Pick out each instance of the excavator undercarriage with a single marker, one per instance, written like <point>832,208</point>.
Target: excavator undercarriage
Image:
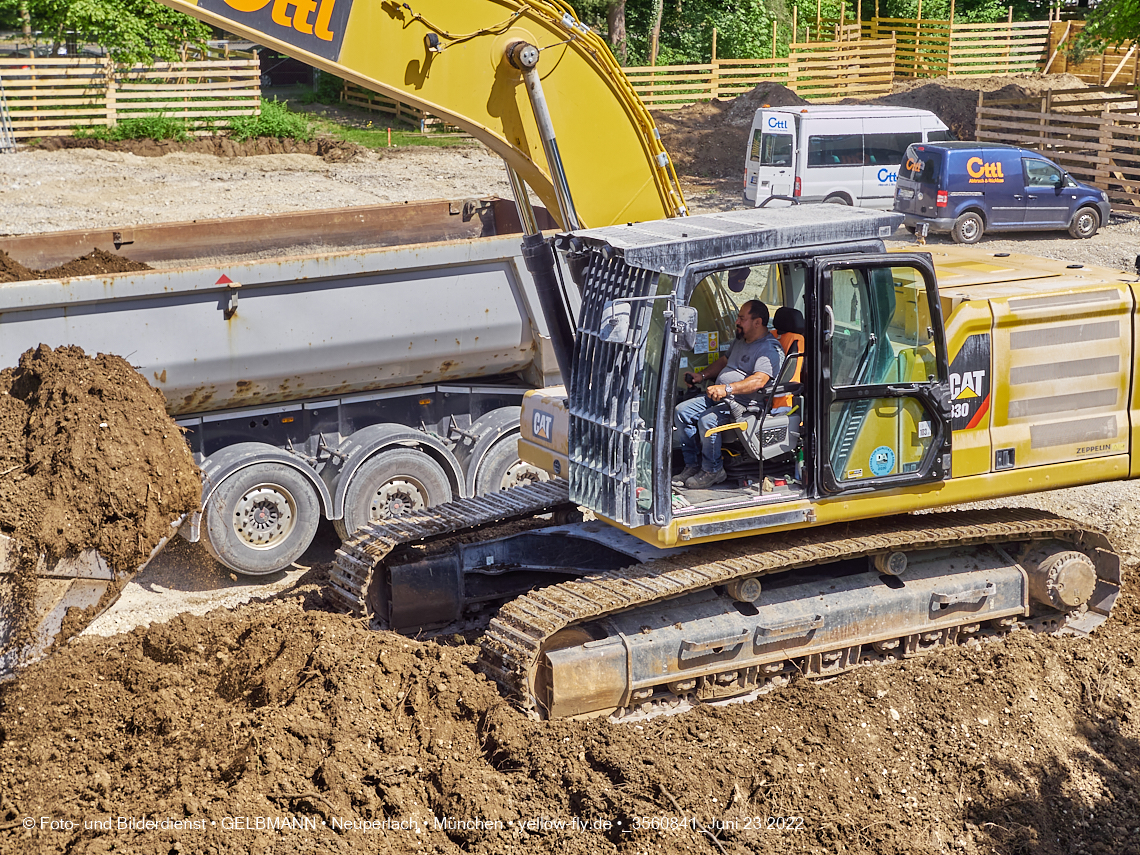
<point>711,623</point>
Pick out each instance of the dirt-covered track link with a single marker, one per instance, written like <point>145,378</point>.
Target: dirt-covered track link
<point>354,580</point>
<point>696,627</point>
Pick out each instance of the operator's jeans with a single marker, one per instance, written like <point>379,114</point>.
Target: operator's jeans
<point>691,419</point>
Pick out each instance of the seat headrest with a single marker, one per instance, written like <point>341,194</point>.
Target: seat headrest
<point>788,319</point>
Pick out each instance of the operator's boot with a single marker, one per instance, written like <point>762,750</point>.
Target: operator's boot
<point>705,479</point>
<point>685,474</point>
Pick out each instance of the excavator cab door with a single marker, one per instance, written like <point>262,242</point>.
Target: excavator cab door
<point>882,418</point>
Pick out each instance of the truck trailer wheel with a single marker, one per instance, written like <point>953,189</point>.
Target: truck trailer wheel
<point>392,483</point>
<point>1085,223</point>
<point>502,469</point>
<point>261,519</point>
<point>968,228</point>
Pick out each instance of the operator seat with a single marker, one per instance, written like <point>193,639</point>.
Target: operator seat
<point>769,436</point>
<point>788,325</point>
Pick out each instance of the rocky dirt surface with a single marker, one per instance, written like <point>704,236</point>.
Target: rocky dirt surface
<point>280,727</point>
<point>96,262</point>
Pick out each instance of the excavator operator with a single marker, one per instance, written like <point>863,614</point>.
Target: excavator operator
<point>751,363</point>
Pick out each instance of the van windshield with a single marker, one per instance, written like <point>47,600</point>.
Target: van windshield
<point>921,164</point>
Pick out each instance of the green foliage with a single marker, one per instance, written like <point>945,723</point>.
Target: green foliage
<point>965,11</point>
<point>1112,22</point>
<point>130,30</point>
<point>276,120</point>
<point>155,126</point>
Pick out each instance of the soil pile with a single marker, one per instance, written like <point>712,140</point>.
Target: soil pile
<point>331,150</point>
<point>97,261</point>
<point>282,712</point>
<point>88,458</point>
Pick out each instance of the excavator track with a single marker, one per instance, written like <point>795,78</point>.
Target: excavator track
<point>352,575</point>
<point>521,635</point>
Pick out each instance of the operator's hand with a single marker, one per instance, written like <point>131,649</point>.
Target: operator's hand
<point>717,393</point>
<point>691,379</point>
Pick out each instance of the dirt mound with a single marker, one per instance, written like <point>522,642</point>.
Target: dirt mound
<point>332,150</point>
<point>956,102</point>
<point>88,458</point>
<point>280,712</point>
<point>97,261</point>
<point>707,140</point>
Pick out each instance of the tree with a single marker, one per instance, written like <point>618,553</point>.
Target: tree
<point>130,30</point>
<point>1112,22</point>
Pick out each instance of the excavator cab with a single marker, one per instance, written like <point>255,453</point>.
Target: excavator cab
<point>874,393</point>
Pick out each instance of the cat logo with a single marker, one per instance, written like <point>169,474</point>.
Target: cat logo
<point>316,26</point>
<point>968,384</point>
<point>543,426</point>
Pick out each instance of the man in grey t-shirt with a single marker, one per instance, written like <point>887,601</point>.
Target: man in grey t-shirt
<point>753,360</point>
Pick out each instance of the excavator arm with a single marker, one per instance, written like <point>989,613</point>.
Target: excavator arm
<point>450,58</point>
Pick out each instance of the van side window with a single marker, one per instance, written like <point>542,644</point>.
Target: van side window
<point>939,136</point>
<point>1038,173</point>
<point>776,149</point>
<point>887,149</point>
<point>835,150</point>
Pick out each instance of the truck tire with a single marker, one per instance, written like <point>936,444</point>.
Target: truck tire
<point>968,228</point>
<point>261,519</point>
<point>392,483</point>
<point>501,468</point>
<point>1085,223</point>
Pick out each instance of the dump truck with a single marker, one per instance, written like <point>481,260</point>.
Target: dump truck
<point>346,385</point>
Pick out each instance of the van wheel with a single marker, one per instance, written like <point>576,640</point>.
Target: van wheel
<point>1085,223</point>
<point>837,199</point>
<point>968,228</point>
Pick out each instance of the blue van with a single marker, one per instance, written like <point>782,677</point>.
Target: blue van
<point>969,188</point>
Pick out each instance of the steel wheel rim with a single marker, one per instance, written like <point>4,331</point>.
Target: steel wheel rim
<point>1084,223</point>
<point>970,228</point>
<point>265,516</point>
<point>397,497</point>
<point>520,473</point>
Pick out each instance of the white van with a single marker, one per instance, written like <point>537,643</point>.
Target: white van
<point>847,154</point>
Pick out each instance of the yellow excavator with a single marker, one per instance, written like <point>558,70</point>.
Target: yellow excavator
<point>926,379</point>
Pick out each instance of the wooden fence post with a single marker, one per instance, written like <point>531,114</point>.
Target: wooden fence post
<point>714,74</point>
<point>773,39</point>
<point>1008,35</point>
<point>795,28</point>
<point>111,88</point>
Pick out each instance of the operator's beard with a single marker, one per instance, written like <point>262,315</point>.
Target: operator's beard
<point>739,331</point>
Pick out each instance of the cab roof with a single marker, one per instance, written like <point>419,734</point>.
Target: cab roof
<point>670,246</point>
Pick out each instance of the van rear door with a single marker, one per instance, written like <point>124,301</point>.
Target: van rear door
<point>773,146</point>
<point>918,182</point>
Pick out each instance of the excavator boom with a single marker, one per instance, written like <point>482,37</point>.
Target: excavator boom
<point>449,58</point>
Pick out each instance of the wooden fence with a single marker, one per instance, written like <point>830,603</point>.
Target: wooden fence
<point>928,48</point>
<point>1094,133</point>
<point>1117,65</point>
<point>52,96</point>
<point>815,71</point>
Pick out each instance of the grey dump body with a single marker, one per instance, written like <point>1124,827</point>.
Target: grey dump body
<point>429,343</point>
<point>615,388</point>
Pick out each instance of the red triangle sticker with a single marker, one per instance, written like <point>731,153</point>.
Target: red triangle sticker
<point>225,280</point>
